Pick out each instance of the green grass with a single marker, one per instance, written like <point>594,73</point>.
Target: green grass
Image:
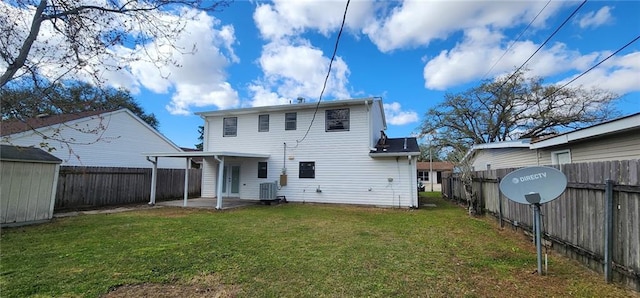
<point>290,250</point>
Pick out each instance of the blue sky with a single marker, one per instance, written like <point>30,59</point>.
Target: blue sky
<point>409,53</point>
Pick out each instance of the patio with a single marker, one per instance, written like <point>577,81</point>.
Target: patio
<point>210,203</point>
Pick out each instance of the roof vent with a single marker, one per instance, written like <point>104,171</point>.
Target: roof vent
<point>40,116</point>
<point>300,99</point>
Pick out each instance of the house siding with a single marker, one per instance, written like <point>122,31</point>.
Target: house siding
<point>623,146</point>
<point>118,141</point>
<point>344,171</point>
<point>500,158</point>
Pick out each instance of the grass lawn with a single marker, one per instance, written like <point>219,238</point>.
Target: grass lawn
<point>288,250</point>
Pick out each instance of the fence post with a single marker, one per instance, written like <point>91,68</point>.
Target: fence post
<point>500,205</point>
<point>608,229</point>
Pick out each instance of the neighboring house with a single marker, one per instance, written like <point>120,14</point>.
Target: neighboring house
<point>611,140</point>
<point>29,180</point>
<point>331,152</point>
<point>93,138</point>
<point>430,174</point>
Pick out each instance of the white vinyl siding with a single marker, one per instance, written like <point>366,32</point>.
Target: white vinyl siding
<point>501,158</point>
<point>119,141</point>
<point>344,170</point>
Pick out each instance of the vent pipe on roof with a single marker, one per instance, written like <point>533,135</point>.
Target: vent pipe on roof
<point>405,143</point>
<point>40,116</point>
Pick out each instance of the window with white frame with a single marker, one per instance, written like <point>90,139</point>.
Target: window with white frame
<point>290,120</point>
<point>337,120</point>
<point>263,123</point>
<point>230,127</point>
<point>561,157</point>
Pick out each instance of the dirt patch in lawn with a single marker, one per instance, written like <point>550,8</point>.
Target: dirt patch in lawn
<point>200,286</point>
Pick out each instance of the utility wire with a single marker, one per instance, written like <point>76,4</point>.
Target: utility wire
<point>592,67</point>
<point>516,40</point>
<point>324,86</point>
<point>543,44</point>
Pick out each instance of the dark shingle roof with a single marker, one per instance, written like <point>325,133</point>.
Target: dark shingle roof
<point>29,154</point>
<point>397,145</point>
<point>10,127</point>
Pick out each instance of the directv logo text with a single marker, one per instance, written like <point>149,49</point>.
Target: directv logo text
<point>529,177</point>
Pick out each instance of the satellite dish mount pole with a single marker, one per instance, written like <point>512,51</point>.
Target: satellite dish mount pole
<point>534,199</point>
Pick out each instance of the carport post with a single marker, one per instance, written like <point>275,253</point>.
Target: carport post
<point>186,182</point>
<point>154,177</point>
<point>220,181</point>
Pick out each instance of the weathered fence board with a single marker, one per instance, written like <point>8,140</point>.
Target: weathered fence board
<point>80,187</point>
<point>575,221</point>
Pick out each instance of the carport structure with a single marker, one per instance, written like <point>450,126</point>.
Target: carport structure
<point>219,157</point>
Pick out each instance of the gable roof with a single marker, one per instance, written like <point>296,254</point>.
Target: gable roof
<point>17,126</point>
<point>28,154</point>
<point>13,126</point>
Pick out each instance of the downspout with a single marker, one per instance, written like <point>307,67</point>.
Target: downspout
<point>219,184</point>
<point>369,138</point>
<point>154,177</point>
<point>411,182</point>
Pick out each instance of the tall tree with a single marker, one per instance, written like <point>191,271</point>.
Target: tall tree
<point>511,108</point>
<point>63,37</point>
<point>20,104</point>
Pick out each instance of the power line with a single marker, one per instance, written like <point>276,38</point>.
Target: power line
<point>592,67</point>
<point>543,44</point>
<point>324,86</point>
<point>517,39</point>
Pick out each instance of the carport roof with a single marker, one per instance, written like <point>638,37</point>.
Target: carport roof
<point>206,154</point>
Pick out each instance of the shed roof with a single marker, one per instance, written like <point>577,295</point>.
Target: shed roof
<point>27,154</point>
<point>397,147</point>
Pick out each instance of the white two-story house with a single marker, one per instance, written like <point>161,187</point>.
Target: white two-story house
<point>331,152</point>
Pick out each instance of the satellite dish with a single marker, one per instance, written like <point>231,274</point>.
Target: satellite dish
<point>533,185</point>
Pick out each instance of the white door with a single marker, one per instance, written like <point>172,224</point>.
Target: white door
<point>231,181</point>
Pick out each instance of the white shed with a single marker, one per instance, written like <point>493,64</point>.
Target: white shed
<point>28,177</point>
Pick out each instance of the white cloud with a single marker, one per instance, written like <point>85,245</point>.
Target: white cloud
<point>297,69</point>
<point>286,18</point>
<point>620,75</point>
<point>417,23</point>
<point>198,79</point>
<point>596,18</point>
<point>396,116</point>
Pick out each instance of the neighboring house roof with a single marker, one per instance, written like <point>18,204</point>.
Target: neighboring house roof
<point>10,127</point>
<point>523,143</point>
<point>618,125</point>
<point>609,127</point>
<point>28,154</point>
<point>397,147</point>
<point>436,165</point>
<point>298,106</point>
<point>196,159</point>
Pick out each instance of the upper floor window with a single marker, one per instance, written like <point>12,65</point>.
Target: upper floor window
<point>337,120</point>
<point>230,127</point>
<point>290,120</point>
<point>263,123</point>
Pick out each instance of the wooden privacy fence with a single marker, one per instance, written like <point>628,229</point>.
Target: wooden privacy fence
<point>80,187</point>
<point>576,223</point>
